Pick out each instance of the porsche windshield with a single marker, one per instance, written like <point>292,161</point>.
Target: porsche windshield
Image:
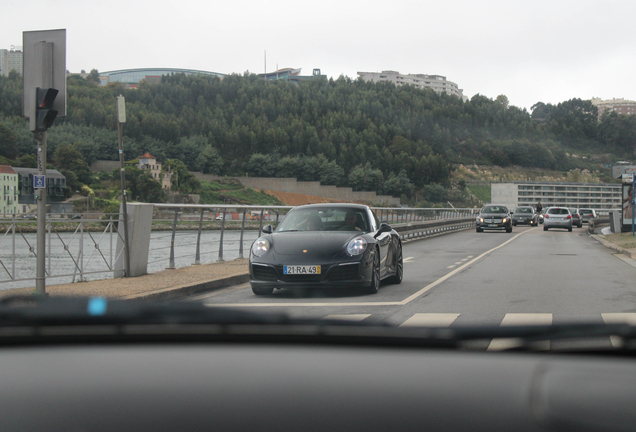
<point>328,219</point>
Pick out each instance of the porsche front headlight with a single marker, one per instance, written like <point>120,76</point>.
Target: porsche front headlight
<point>356,246</point>
<point>260,246</point>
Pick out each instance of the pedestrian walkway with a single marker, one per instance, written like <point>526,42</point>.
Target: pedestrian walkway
<point>163,285</point>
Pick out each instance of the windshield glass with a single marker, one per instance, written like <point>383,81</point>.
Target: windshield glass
<point>558,211</point>
<point>348,161</point>
<point>325,219</point>
<point>494,209</point>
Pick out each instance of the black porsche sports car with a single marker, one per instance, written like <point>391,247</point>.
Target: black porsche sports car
<point>326,245</point>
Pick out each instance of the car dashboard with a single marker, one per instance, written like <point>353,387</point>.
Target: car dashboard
<point>306,387</point>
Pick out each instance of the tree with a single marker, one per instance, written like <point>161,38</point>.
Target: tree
<point>503,101</point>
<point>8,142</point>
<point>366,178</point>
<point>185,181</point>
<point>67,157</point>
<point>150,189</point>
<point>93,77</point>
<point>398,185</point>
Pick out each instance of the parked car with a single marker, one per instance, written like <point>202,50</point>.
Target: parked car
<point>576,217</point>
<point>494,217</point>
<point>525,215</point>
<point>557,217</point>
<point>587,215</point>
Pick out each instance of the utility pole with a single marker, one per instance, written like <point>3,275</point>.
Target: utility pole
<point>121,118</point>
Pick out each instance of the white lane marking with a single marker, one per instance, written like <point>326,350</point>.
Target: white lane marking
<point>454,272</point>
<point>430,320</point>
<point>458,263</point>
<point>451,266</point>
<point>469,256</point>
<point>465,259</point>
<point>618,318</point>
<point>408,259</point>
<point>521,319</point>
<point>349,317</point>
<point>400,303</point>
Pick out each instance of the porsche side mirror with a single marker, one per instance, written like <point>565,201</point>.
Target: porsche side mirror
<point>267,229</point>
<point>384,227</point>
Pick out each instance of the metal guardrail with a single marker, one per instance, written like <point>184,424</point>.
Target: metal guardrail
<point>414,231</point>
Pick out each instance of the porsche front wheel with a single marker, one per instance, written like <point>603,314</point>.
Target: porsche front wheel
<point>374,286</point>
<point>399,267</point>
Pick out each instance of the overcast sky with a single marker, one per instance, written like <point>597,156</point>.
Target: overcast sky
<point>530,51</point>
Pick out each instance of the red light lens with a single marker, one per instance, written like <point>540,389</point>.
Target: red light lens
<point>569,217</point>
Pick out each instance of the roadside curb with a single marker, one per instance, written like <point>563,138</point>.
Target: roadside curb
<point>187,290</point>
<point>612,246</point>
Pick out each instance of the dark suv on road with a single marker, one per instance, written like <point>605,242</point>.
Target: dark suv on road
<point>494,217</point>
<point>525,215</point>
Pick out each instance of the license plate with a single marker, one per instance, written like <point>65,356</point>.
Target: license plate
<point>492,225</point>
<point>308,270</point>
<point>520,220</point>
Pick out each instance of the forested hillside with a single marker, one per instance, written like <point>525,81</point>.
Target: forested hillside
<point>393,140</point>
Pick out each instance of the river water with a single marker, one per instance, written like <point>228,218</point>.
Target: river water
<point>62,268</point>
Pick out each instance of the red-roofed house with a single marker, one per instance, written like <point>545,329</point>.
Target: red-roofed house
<point>149,162</point>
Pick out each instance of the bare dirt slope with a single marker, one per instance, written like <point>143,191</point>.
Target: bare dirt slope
<point>294,199</point>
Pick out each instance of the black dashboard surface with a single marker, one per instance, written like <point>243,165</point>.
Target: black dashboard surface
<point>238,387</point>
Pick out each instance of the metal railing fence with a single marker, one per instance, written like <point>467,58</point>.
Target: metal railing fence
<point>76,249</point>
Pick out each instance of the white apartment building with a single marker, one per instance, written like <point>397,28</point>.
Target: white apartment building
<point>437,82</point>
<point>621,106</point>
<point>602,197</point>
<point>10,60</point>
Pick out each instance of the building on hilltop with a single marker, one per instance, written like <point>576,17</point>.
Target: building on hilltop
<point>131,78</point>
<point>602,197</point>
<point>291,74</point>
<point>9,185</point>
<point>620,106</point>
<point>149,162</point>
<point>436,82</point>
<point>11,60</point>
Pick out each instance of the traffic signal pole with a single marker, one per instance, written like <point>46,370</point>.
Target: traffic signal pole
<point>44,75</point>
<point>43,99</point>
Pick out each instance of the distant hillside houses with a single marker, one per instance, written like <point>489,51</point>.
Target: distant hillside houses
<point>149,162</point>
<point>18,195</point>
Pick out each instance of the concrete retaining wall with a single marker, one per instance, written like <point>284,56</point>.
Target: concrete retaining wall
<point>104,166</point>
<point>291,185</point>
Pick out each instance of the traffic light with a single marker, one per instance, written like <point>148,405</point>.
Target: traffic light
<point>44,115</point>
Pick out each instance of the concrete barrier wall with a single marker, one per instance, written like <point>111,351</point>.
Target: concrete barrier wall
<point>139,226</point>
<point>292,185</point>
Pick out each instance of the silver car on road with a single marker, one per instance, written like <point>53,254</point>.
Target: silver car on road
<point>557,217</point>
